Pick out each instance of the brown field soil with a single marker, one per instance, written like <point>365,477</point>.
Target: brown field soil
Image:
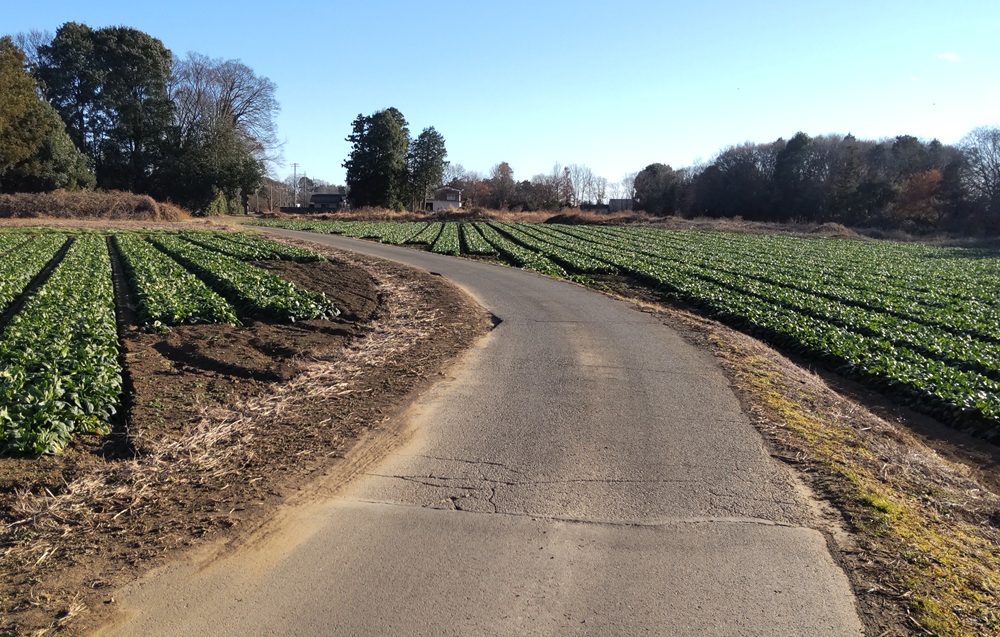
<point>222,425</point>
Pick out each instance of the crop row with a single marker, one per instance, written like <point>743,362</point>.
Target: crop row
<point>253,290</point>
<point>393,233</point>
<point>791,269</point>
<point>474,243</point>
<point>23,263</point>
<point>11,240</point>
<point>246,247</point>
<point>428,235</point>
<point>518,254</point>
<point>930,340</point>
<point>58,355</point>
<point>59,362</point>
<point>920,323</point>
<point>168,294</point>
<point>951,361</point>
<point>447,241</point>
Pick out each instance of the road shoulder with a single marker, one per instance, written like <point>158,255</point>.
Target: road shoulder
<point>908,516</point>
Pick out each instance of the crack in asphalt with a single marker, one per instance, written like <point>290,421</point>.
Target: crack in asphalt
<point>464,461</point>
<point>425,481</point>
<point>484,489</point>
<point>650,523</point>
<point>493,494</point>
<point>738,465</point>
<point>487,489</point>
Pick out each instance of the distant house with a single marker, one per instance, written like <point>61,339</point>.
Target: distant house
<point>329,201</point>
<point>620,205</point>
<point>444,198</point>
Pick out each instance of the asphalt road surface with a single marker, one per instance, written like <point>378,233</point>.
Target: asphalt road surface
<point>584,472</point>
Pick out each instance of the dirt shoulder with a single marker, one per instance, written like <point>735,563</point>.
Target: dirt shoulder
<point>223,425</point>
<point>918,500</point>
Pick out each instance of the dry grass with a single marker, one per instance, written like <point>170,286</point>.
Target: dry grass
<point>112,205</point>
<point>573,216</point>
<point>926,527</point>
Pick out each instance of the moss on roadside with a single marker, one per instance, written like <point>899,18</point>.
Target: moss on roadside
<point>949,556</point>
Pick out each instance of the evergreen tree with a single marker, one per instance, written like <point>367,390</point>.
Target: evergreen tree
<point>24,123</point>
<point>795,180</point>
<point>656,189</point>
<point>57,163</point>
<point>110,88</point>
<point>426,162</point>
<point>211,164</point>
<point>376,169</point>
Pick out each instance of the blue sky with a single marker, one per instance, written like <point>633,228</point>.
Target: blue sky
<point>611,85</point>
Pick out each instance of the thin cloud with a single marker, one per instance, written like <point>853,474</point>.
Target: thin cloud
<point>949,57</point>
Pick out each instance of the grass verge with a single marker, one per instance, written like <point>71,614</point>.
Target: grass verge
<point>924,557</point>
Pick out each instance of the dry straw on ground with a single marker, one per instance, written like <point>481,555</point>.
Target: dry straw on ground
<point>83,204</point>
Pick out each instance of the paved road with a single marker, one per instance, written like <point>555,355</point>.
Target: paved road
<point>586,472</point>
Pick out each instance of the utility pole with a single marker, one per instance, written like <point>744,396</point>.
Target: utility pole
<point>295,185</point>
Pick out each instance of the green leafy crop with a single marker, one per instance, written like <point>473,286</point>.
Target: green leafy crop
<point>254,291</point>
<point>59,370</point>
<point>168,294</point>
<point>919,323</point>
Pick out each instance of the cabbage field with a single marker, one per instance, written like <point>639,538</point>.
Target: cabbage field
<point>60,361</point>
<point>919,323</point>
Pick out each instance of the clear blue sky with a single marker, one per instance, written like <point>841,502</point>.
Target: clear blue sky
<point>612,85</point>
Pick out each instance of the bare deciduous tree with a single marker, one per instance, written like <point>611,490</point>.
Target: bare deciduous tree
<point>981,150</point>
<point>226,92</point>
<point>453,173</point>
<point>29,42</point>
<point>598,189</point>
<point>627,185</point>
<point>581,182</point>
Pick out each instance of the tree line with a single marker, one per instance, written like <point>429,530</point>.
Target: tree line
<point>113,108</point>
<point>899,183</point>
<point>388,169</point>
